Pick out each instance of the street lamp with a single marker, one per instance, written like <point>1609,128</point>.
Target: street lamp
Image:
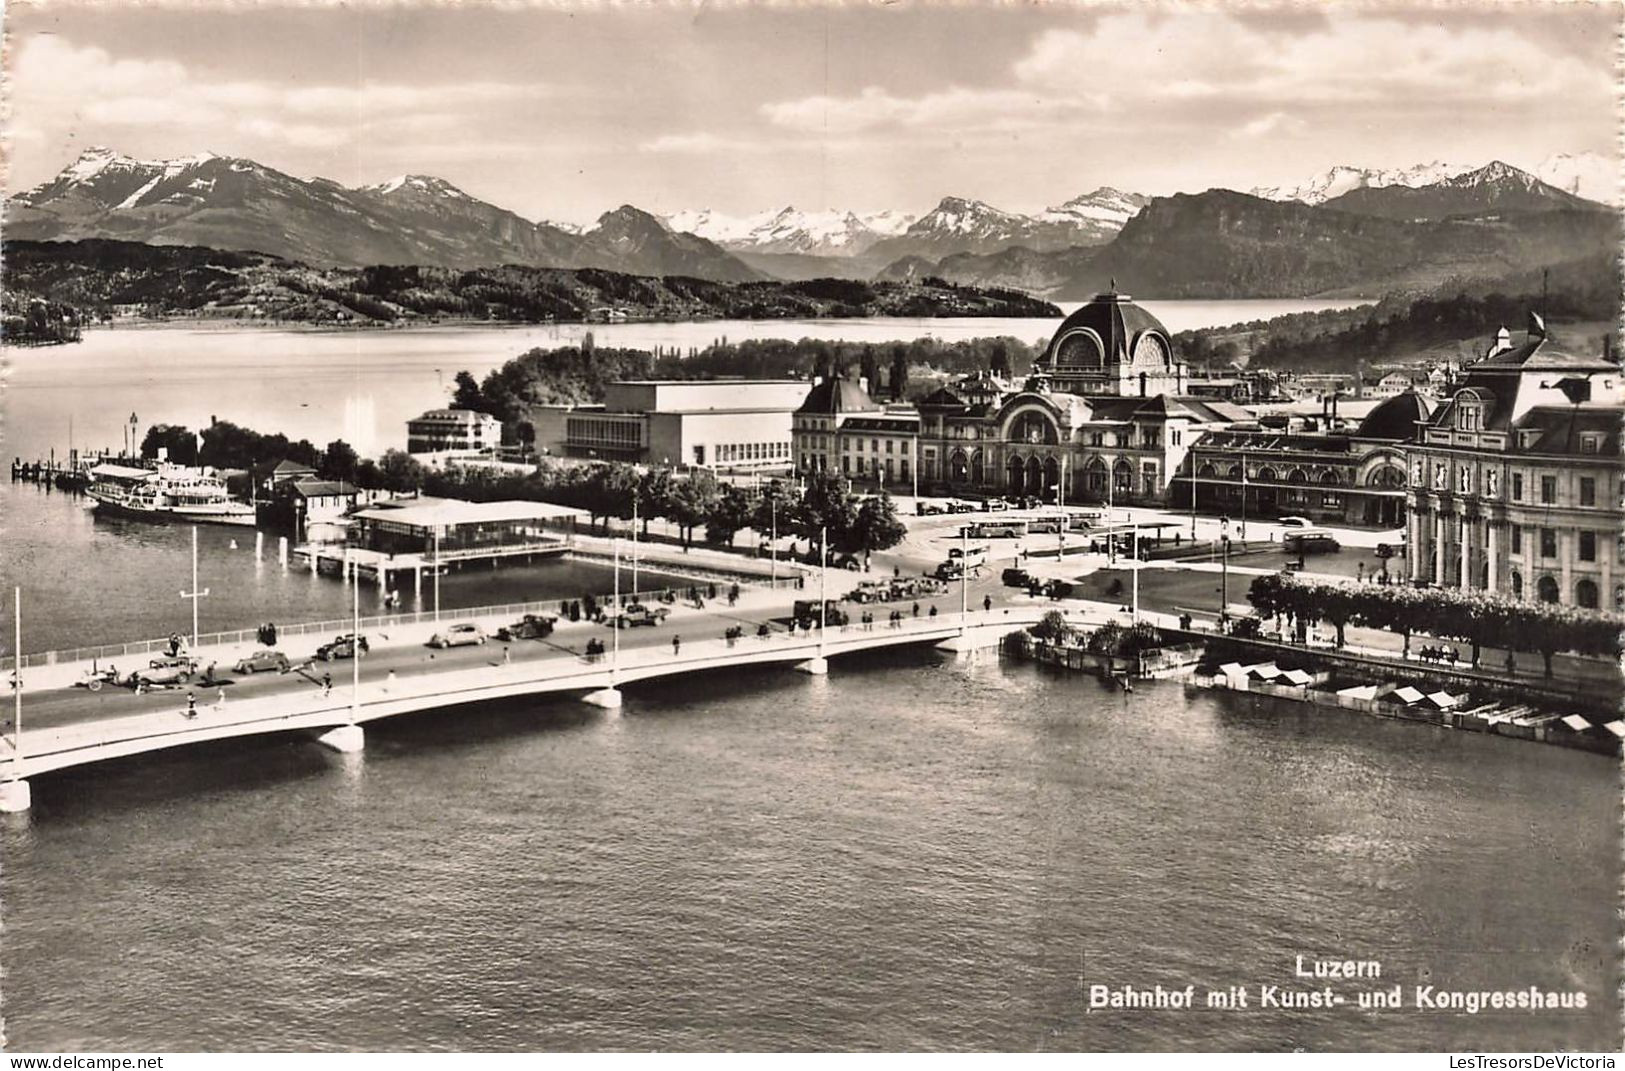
<point>437,576</point>
<point>194,594</point>
<point>964,576</point>
<point>1224,570</point>
<point>773,541</point>
<point>823,586</point>
<point>355,650</point>
<point>1135,544</point>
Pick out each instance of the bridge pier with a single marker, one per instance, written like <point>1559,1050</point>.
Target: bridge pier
<point>817,667</point>
<point>608,698</point>
<point>345,739</point>
<point>15,797</point>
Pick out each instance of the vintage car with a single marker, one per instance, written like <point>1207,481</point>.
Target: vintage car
<point>871,591</point>
<point>265,659</point>
<point>636,615</point>
<point>1015,578</point>
<point>459,635</point>
<point>342,647</point>
<point>171,669</point>
<point>529,627</point>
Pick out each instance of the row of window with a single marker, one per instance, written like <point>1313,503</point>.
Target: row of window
<point>730,452</point>
<point>1545,541</point>
<point>597,431</point>
<point>1545,486</point>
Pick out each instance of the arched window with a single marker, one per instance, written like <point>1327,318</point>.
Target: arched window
<point>976,472</point>
<point>958,467</point>
<point>1267,475</point>
<point>1206,472</point>
<point>1517,584</point>
<point>1546,589</point>
<point>1234,474</point>
<point>1297,476</point>
<point>1329,478</point>
<point>1585,594</point>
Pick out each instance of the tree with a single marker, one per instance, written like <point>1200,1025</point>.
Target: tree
<point>876,527</point>
<point>692,501</point>
<point>654,495</point>
<point>179,442</point>
<point>899,373</point>
<point>827,505</point>
<point>999,362</point>
<point>733,511</point>
<point>468,394</point>
<point>1052,627</point>
<point>400,472</point>
<point>871,370</point>
<point>525,432</point>
<point>339,462</point>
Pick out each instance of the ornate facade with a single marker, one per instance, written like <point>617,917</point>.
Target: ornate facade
<point>1517,483</point>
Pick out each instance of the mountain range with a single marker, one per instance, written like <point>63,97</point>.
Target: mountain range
<point>231,203</point>
<point>1361,231</point>
<point>1370,240</point>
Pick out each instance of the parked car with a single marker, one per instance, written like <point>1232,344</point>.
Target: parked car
<point>1057,589</point>
<point>1311,541</point>
<point>805,612</point>
<point>529,627</point>
<point>344,646</point>
<point>962,507</point>
<point>1296,522</point>
<point>95,678</point>
<point>871,591</point>
<point>996,505</point>
<point>1016,578</point>
<point>264,659</point>
<point>171,669</point>
<point>459,635</point>
<point>928,509</point>
<point>634,616</point>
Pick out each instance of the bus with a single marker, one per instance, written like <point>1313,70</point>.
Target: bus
<point>1081,520</point>
<point>1047,525</point>
<point>997,530</point>
<point>1310,541</point>
<point>974,557</point>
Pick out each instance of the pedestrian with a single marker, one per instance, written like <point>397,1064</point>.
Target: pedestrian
<point>676,645</point>
<point>916,609</point>
<point>327,685</point>
<point>390,681</point>
<point>191,705</point>
<point>987,603</point>
<point>506,655</point>
<point>220,699</point>
<point>933,612</point>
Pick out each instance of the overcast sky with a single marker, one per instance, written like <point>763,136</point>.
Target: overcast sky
<point>562,114</point>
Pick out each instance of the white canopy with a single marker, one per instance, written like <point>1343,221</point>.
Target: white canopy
<point>1577,723</point>
<point>1407,695</point>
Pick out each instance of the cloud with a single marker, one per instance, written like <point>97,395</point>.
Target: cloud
<point>1193,66</point>
<point>1275,123</point>
<point>56,82</point>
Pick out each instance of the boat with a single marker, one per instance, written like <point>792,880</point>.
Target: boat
<point>166,493</point>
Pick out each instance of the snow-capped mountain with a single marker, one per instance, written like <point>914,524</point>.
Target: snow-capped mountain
<point>230,203</point>
<point>1587,174</point>
<point>1342,179</point>
<point>790,230</point>
<point>962,225</point>
<point>1103,211</point>
<point>1495,188</point>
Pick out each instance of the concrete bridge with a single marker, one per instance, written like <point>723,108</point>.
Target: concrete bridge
<point>335,719</point>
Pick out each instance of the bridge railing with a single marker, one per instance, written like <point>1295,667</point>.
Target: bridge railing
<point>336,626</point>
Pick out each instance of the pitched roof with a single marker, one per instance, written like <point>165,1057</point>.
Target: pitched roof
<point>838,395</point>
<point>1560,427</point>
<point>285,466</point>
<point>321,488</point>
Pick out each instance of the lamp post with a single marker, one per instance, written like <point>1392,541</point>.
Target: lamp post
<point>437,576</point>
<point>634,547</point>
<point>1224,569</point>
<point>615,621</point>
<point>1135,604</point>
<point>355,651</point>
<point>16,683</point>
<point>773,541</point>
<point>1111,516</point>
<point>1193,501</point>
<point>823,586</point>
<point>1244,494</point>
<point>964,576</point>
<point>194,594</point>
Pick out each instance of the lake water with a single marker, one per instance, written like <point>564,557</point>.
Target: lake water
<point>362,386</point>
<point>911,853</point>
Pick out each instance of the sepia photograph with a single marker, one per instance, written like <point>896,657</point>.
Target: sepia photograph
<point>811,528</point>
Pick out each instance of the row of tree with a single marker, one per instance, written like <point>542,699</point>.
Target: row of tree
<point>824,504</point>
<point>1478,618</point>
<point>580,374</point>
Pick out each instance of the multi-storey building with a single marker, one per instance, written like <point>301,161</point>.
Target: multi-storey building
<point>1327,472</point>
<point>453,429</point>
<point>733,425</point>
<point>1106,414</point>
<point>1516,484</point>
<point>840,428</point>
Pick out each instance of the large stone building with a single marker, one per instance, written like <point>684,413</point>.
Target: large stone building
<point>728,425</point>
<point>465,430</point>
<point>839,427</point>
<point>1310,467</point>
<point>1516,484</point>
<point>1105,414</point>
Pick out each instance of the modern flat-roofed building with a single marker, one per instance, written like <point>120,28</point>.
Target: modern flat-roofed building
<point>727,425</point>
<point>453,429</point>
<point>1517,482</point>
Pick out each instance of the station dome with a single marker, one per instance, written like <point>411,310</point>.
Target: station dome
<point>1395,419</point>
<point>1110,330</point>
